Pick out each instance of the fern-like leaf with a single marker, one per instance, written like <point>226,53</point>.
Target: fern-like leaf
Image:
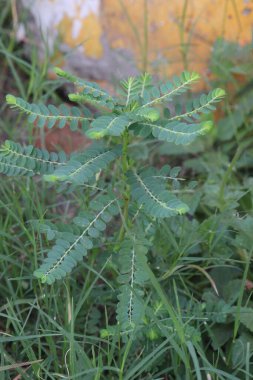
<point>175,131</point>
<point>113,125</point>
<point>83,166</point>
<point>150,191</point>
<point>180,133</point>
<point>132,260</point>
<point>28,160</point>
<point>49,115</point>
<point>133,88</point>
<point>89,93</point>
<point>148,113</point>
<point>202,105</point>
<point>70,249</point>
<point>10,169</point>
<point>170,89</point>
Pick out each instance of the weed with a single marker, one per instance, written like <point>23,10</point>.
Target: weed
<point>139,199</point>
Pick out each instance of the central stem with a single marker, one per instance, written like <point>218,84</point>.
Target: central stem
<point>125,163</point>
<point>126,191</point>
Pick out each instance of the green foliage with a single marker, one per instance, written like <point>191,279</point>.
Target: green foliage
<point>166,91</point>
<point>205,104</point>
<point>88,92</point>
<point>191,280</point>
<point>28,160</point>
<point>49,115</point>
<point>71,248</point>
<point>132,278</point>
<point>134,88</point>
<point>113,125</point>
<point>83,166</point>
<point>230,58</point>
<point>177,132</point>
<point>135,201</point>
<point>149,190</point>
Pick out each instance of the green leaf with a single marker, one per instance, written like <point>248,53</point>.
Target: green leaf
<point>166,91</point>
<point>202,105</point>
<point>70,249</point>
<point>28,160</point>
<point>241,348</point>
<point>82,167</point>
<point>112,125</point>
<point>49,116</point>
<point>246,317</point>
<point>133,88</point>
<point>177,132</point>
<point>148,113</point>
<point>10,169</point>
<point>130,309</point>
<point>150,192</point>
<point>89,93</point>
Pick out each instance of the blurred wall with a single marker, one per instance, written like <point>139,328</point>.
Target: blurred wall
<point>104,39</point>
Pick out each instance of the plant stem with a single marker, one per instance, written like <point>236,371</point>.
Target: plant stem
<point>227,175</point>
<point>145,39</point>
<point>126,192</point>
<point>141,42</point>
<point>183,47</point>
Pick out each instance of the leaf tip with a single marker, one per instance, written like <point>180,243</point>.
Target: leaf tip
<point>11,99</point>
<point>206,126</point>
<point>183,209</point>
<point>50,178</point>
<point>220,92</point>
<point>59,71</point>
<point>94,134</point>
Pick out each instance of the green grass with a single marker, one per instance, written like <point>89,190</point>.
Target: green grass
<point>63,331</point>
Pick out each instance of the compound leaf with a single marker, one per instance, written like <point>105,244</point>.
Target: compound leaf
<point>150,192</point>
<point>50,115</point>
<point>70,249</point>
<point>16,159</point>
<point>132,257</point>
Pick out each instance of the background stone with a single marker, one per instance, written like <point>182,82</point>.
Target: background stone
<point>107,39</point>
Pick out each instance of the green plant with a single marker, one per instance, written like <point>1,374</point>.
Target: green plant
<point>115,185</point>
